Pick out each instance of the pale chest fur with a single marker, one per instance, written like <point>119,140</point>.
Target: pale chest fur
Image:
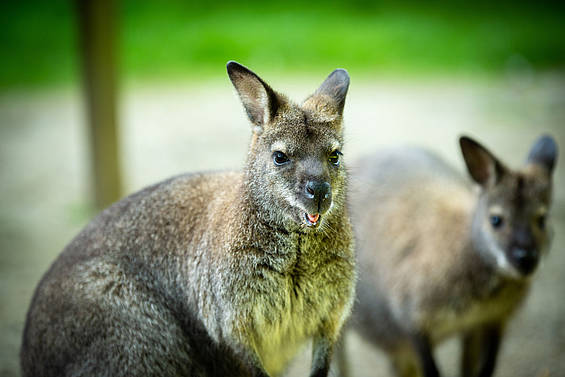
<point>494,302</point>
<point>303,296</point>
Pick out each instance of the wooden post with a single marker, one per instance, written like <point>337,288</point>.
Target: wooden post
<point>97,21</point>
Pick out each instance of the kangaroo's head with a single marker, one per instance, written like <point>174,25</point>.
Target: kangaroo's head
<point>511,222</point>
<point>295,173</point>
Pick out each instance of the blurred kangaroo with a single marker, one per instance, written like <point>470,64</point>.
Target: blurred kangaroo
<point>439,259</point>
<point>212,274</point>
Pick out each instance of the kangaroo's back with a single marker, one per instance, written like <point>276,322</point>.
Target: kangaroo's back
<point>404,195</point>
<point>114,275</point>
<point>389,169</point>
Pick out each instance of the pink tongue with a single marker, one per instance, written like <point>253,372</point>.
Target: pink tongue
<point>313,218</point>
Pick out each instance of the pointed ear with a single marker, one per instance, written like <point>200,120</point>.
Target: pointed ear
<point>544,152</point>
<point>259,100</point>
<point>485,169</point>
<point>330,96</point>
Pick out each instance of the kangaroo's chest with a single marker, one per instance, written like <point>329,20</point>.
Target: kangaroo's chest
<point>304,294</point>
<point>493,304</point>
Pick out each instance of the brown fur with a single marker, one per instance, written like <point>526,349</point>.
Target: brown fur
<point>211,274</point>
<point>429,257</point>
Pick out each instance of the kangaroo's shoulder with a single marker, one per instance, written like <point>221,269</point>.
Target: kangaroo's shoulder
<point>162,212</point>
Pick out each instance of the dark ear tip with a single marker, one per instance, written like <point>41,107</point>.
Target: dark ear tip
<point>547,141</point>
<point>466,141</point>
<point>233,66</point>
<point>341,74</point>
<point>544,151</point>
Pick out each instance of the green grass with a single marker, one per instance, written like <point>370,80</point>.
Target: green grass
<point>171,39</point>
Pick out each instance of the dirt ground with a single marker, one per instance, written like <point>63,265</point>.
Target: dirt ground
<point>169,129</point>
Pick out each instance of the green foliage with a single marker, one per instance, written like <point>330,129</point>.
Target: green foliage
<point>37,42</point>
<point>177,39</point>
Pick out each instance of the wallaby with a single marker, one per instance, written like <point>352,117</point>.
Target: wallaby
<point>439,259</point>
<point>212,274</point>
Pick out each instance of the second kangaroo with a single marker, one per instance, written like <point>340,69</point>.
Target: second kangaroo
<point>439,259</point>
<point>212,274</point>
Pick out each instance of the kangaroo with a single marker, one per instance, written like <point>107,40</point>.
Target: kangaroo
<point>212,274</point>
<point>439,259</point>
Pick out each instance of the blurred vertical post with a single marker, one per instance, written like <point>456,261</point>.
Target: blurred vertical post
<point>97,26</point>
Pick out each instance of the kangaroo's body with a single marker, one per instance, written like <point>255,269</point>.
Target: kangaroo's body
<point>215,274</point>
<point>431,263</point>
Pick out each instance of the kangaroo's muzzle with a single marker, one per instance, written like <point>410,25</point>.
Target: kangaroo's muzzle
<point>318,195</point>
<point>524,260</point>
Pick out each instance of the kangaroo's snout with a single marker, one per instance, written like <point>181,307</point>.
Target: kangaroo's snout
<point>524,254</point>
<point>525,260</point>
<point>318,195</point>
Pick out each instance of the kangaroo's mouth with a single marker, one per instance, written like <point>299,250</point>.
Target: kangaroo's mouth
<point>312,220</point>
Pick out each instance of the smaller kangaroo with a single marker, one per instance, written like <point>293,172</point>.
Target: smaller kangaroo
<point>439,259</point>
<point>212,274</point>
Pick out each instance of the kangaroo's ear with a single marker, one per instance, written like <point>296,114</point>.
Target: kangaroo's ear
<point>329,99</point>
<point>260,101</point>
<point>544,152</point>
<point>484,168</point>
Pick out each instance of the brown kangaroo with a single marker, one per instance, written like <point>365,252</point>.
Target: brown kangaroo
<point>212,274</point>
<point>439,259</point>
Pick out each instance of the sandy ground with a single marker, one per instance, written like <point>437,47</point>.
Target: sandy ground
<point>169,129</point>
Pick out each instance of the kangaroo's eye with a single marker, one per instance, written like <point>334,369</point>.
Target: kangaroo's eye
<point>541,221</point>
<point>280,158</point>
<point>495,221</point>
<point>334,157</point>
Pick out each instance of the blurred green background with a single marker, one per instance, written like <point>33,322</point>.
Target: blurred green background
<point>422,72</point>
<point>172,38</point>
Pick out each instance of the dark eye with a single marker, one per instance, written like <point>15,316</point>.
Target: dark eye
<point>334,158</point>
<point>280,158</point>
<point>542,221</point>
<point>496,221</point>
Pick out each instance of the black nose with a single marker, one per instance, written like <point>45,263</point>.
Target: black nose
<point>525,260</point>
<point>320,193</point>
